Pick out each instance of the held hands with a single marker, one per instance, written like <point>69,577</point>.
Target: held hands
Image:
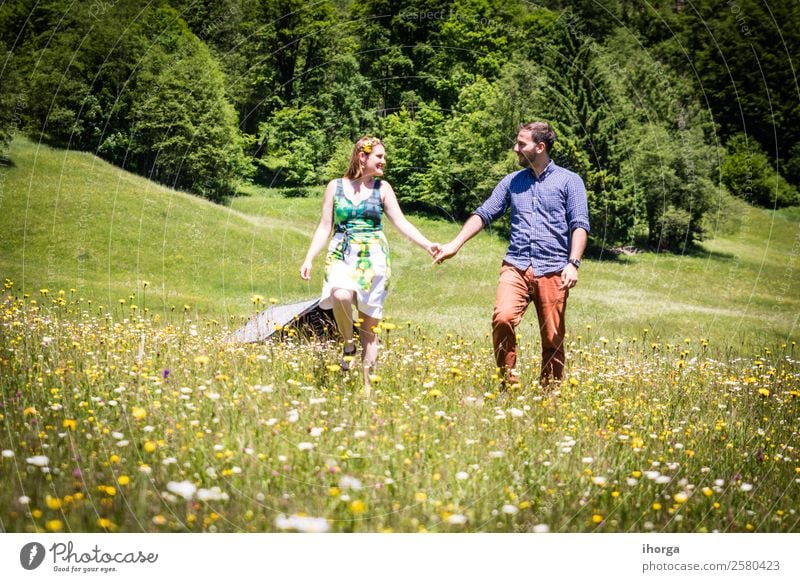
<point>433,248</point>
<point>445,252</point>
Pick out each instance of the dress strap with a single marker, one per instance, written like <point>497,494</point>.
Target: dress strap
<point>339,187</point>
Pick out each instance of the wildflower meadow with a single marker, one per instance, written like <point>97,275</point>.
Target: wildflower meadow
<point>121,419</point>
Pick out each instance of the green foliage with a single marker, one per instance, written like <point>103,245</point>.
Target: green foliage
<point>791,169</point>
<point>410,139</point>
<point>668,178</point>
<point>295,147</point>
<point>11,98</point>
<point>179,90</point>
<point>151,97</point>
<point>741,54</point>
<point>183,128</point>
<point>748,173</point>
<point>471,145</point>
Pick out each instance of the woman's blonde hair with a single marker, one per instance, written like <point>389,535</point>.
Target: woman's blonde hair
<point>365,145</point>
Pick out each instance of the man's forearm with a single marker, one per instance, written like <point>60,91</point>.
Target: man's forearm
<point>579,237</point>
<point>472,226</point>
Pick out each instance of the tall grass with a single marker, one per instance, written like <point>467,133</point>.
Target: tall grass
<point>112,424</point>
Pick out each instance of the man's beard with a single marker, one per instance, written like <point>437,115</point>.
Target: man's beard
<point>524,162</point>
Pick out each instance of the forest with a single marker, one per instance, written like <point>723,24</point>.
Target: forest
<point>663,107</point>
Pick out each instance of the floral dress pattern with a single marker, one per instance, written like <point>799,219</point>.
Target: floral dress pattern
<point>358,254</point>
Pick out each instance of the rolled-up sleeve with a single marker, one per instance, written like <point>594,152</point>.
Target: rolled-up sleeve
<point>496,204</point>
<point>577,204</point>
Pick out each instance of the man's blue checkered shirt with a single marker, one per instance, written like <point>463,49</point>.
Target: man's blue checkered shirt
<point>544,212</point>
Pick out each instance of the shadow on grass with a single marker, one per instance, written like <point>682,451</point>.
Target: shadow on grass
<point>698,252</point>
<point>620,254</point>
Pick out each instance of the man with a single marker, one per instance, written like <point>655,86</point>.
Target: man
<point>549,228</point>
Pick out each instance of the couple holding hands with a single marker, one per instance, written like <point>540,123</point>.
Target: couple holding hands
<point>549,228</point>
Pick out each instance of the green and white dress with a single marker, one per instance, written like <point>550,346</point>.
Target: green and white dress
<point>358,254</point>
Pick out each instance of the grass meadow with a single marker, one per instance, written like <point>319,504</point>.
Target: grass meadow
<point>126,408</point>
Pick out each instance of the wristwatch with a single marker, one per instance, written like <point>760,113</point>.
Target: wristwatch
<point>575,263</point>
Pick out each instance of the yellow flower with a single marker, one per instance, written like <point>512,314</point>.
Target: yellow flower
<point>52,502</point>
<point>681,497</point>
<point>123,480</point>
<point>420,496</point>
<point>707,491</point>
<point>334,491</point>
<point>202,360</point>
<point>54,525</point>
<point>69,423</point>
<point>656,506</point>
<point>139,413</point>
<point>357,507</point>
<point>159,519</point>
<point>763,391</point>
<point>106,523</point>
<point>597,518</point>
<point>149,446</point>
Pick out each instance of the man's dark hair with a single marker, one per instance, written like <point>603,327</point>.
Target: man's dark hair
<point>540,131</point>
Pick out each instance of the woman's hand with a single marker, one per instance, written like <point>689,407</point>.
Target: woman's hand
<point>433,248</point>
<point>305,270</point>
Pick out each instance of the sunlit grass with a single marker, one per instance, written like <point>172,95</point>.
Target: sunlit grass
<point>123,420</point>
<point>71,220</point>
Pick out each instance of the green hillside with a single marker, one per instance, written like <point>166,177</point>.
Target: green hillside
<point>70,220</point>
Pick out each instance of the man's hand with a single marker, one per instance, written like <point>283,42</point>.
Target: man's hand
<point>569,276</point>
<point>445,252</point>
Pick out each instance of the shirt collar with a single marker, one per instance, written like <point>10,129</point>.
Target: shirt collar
<point>547,170</point>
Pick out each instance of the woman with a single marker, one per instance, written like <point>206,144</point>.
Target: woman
<point>357,266</point>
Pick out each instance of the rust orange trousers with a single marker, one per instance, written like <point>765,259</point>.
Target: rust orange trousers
<point>515,292</point>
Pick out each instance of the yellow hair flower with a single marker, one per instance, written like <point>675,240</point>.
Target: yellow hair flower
<point>368,144</point>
